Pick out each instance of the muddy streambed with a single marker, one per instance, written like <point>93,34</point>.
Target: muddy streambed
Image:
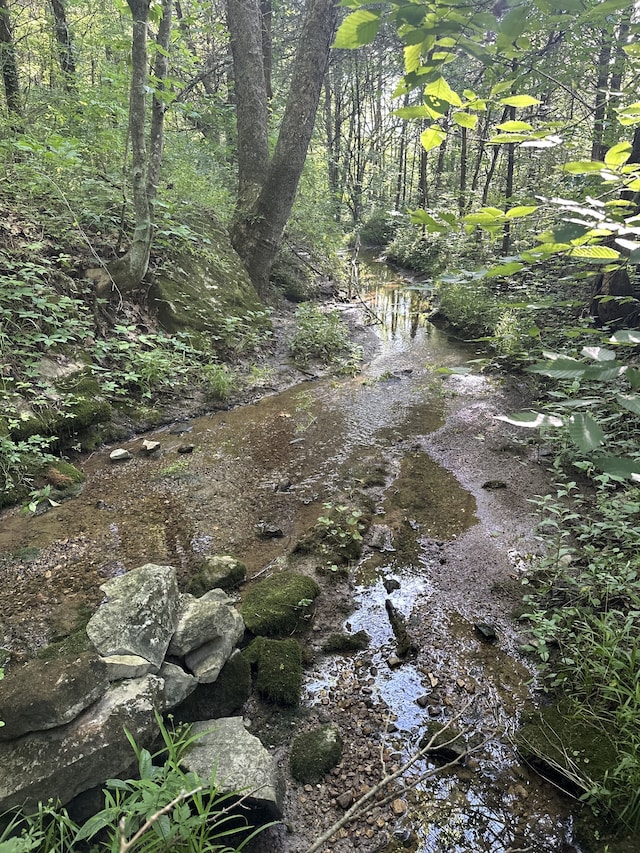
<point>447,487</point>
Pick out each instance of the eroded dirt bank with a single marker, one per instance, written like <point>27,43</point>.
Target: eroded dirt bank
<point>446,486</point>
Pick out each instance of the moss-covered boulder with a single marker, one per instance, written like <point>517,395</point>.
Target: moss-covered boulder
<point>278,668</point>
<point>204,283</point>
<point>344,642</point>
<point>280,605</point>
<point>314,753</point>
<point>223,698</point>
<point>566,748</point>
<point>217,572</point>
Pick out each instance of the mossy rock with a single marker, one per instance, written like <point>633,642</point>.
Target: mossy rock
<point>204,282</point>
<point>343,642</point>
<point>278,668</point>
<point>223,698</point>
<point>280,605</point>
<point>315,753</point>
<point>80,414</point>
<point>565,747</point>
<point>217,572</point>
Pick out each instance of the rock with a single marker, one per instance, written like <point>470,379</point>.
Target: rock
<point>345,800</point>
<point>381,538</point>
<point>423,700</point>
<point>119,455</point>
<point>178,684</point>
<point>487,633</point>
<point>398,807</point>
<point>67,760</point>
<point>218,572</point>
<point>204,620</point>
<point>207,660</point>
<point>492,485</point>
<point>221,698</point>
<point>180,428</point>
<point>126,666</point>
<point>390,584</point>
<point>139,616</point>
<point>266,530</point>
<point>241,762</point>
<point>186,448</point>
<point>279,669</point>
<point>272,606</point>
<point>150,447</point>
<point>45,694</point>
<point>343,642</point>
<point>314,753</point>
<point>393,661</point>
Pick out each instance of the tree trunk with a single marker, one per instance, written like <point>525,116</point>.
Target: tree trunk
<point>9,64</point>
<point>598,147</point>
<point>127,272</point>
<point>65,45</point>
<point>508,191</point>
<point>258,227</point>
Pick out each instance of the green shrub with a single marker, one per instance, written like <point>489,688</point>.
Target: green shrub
<point>469,306</point>
<point>319,335</point>
<point>380,228</point>
<point>424,253</point>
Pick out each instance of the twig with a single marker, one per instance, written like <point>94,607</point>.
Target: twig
<point>361,805</point>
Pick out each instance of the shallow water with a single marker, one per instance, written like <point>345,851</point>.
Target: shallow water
<point>324,437</point>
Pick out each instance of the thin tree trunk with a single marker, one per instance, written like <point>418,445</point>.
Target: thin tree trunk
<point>267,53</point>
<point>9,64</point>
<point>65,45</point>
<point>598,147</point>
<point>508,192</point>
<point>462,197</point>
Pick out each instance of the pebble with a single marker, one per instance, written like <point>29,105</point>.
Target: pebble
<point>186,448</point>
<point>398,807</point>
<point>345,800</point>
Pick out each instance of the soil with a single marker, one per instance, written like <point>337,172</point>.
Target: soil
<point>445,490</point>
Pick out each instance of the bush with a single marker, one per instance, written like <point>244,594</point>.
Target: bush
<point>380,228</point>
<point>319,335</point>
<point>425,253</point>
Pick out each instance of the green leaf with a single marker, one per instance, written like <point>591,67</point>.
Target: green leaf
<point>522,210</point>
<point>583,167</point>
<point>626,336</point>
<point>441,90</point>
<point>599,353</point>
<point>513,23</point>
<point>504,269</point>
<point>357,29</point>
<point>465,120</point>
<point>618,155</point>
<point>618,466</point>
<point>601,253</point>
<point>519,101</point>
<point>514,126</point>
<point>421,217</point>
<point>559,368</point>
<point>531,420</point>
<point>585,431</point>
<point>631,402</point>
<point>632,375</point>
<point>418,111</point>
<point>432,137</point>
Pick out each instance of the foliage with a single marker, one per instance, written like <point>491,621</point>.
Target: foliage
<point>339,532</point>
<point>322,336</point>
<point>379,229</point>
<point>425,253</point>
<point>583,604</point>
<point>164,808</point>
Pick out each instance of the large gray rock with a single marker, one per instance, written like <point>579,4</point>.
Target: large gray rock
<point>65,761</point>
<point>44,694</point>
<point>139,616</point>
<point>204,619</point>
<point>241,763</point>
<point>207,632</point>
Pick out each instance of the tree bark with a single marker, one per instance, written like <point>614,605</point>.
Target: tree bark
<point>65,44</point>
<point>9,64</point>
<point>598,147</point>
<point>127,272</point>
<point>258,227</point>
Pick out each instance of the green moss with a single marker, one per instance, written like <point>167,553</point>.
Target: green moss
<point>217,572</point>
<point>567,747</point>
<point>80,414</point>
<point>280,605</point>
<point>314,753</point>
<point>278,668</point>
<point>344,642</point>
<point>73,644</point>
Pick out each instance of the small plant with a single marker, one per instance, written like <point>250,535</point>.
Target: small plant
<point>175,469</point>
<point>219,381</point>
<point>319,336</point>
<point>339,533</point>
<point>40,497</point>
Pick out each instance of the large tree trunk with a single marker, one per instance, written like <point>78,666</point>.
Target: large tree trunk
<point>9,64</point>
<point>258,225</point>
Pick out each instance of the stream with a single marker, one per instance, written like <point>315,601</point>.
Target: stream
<point>450,540</point>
